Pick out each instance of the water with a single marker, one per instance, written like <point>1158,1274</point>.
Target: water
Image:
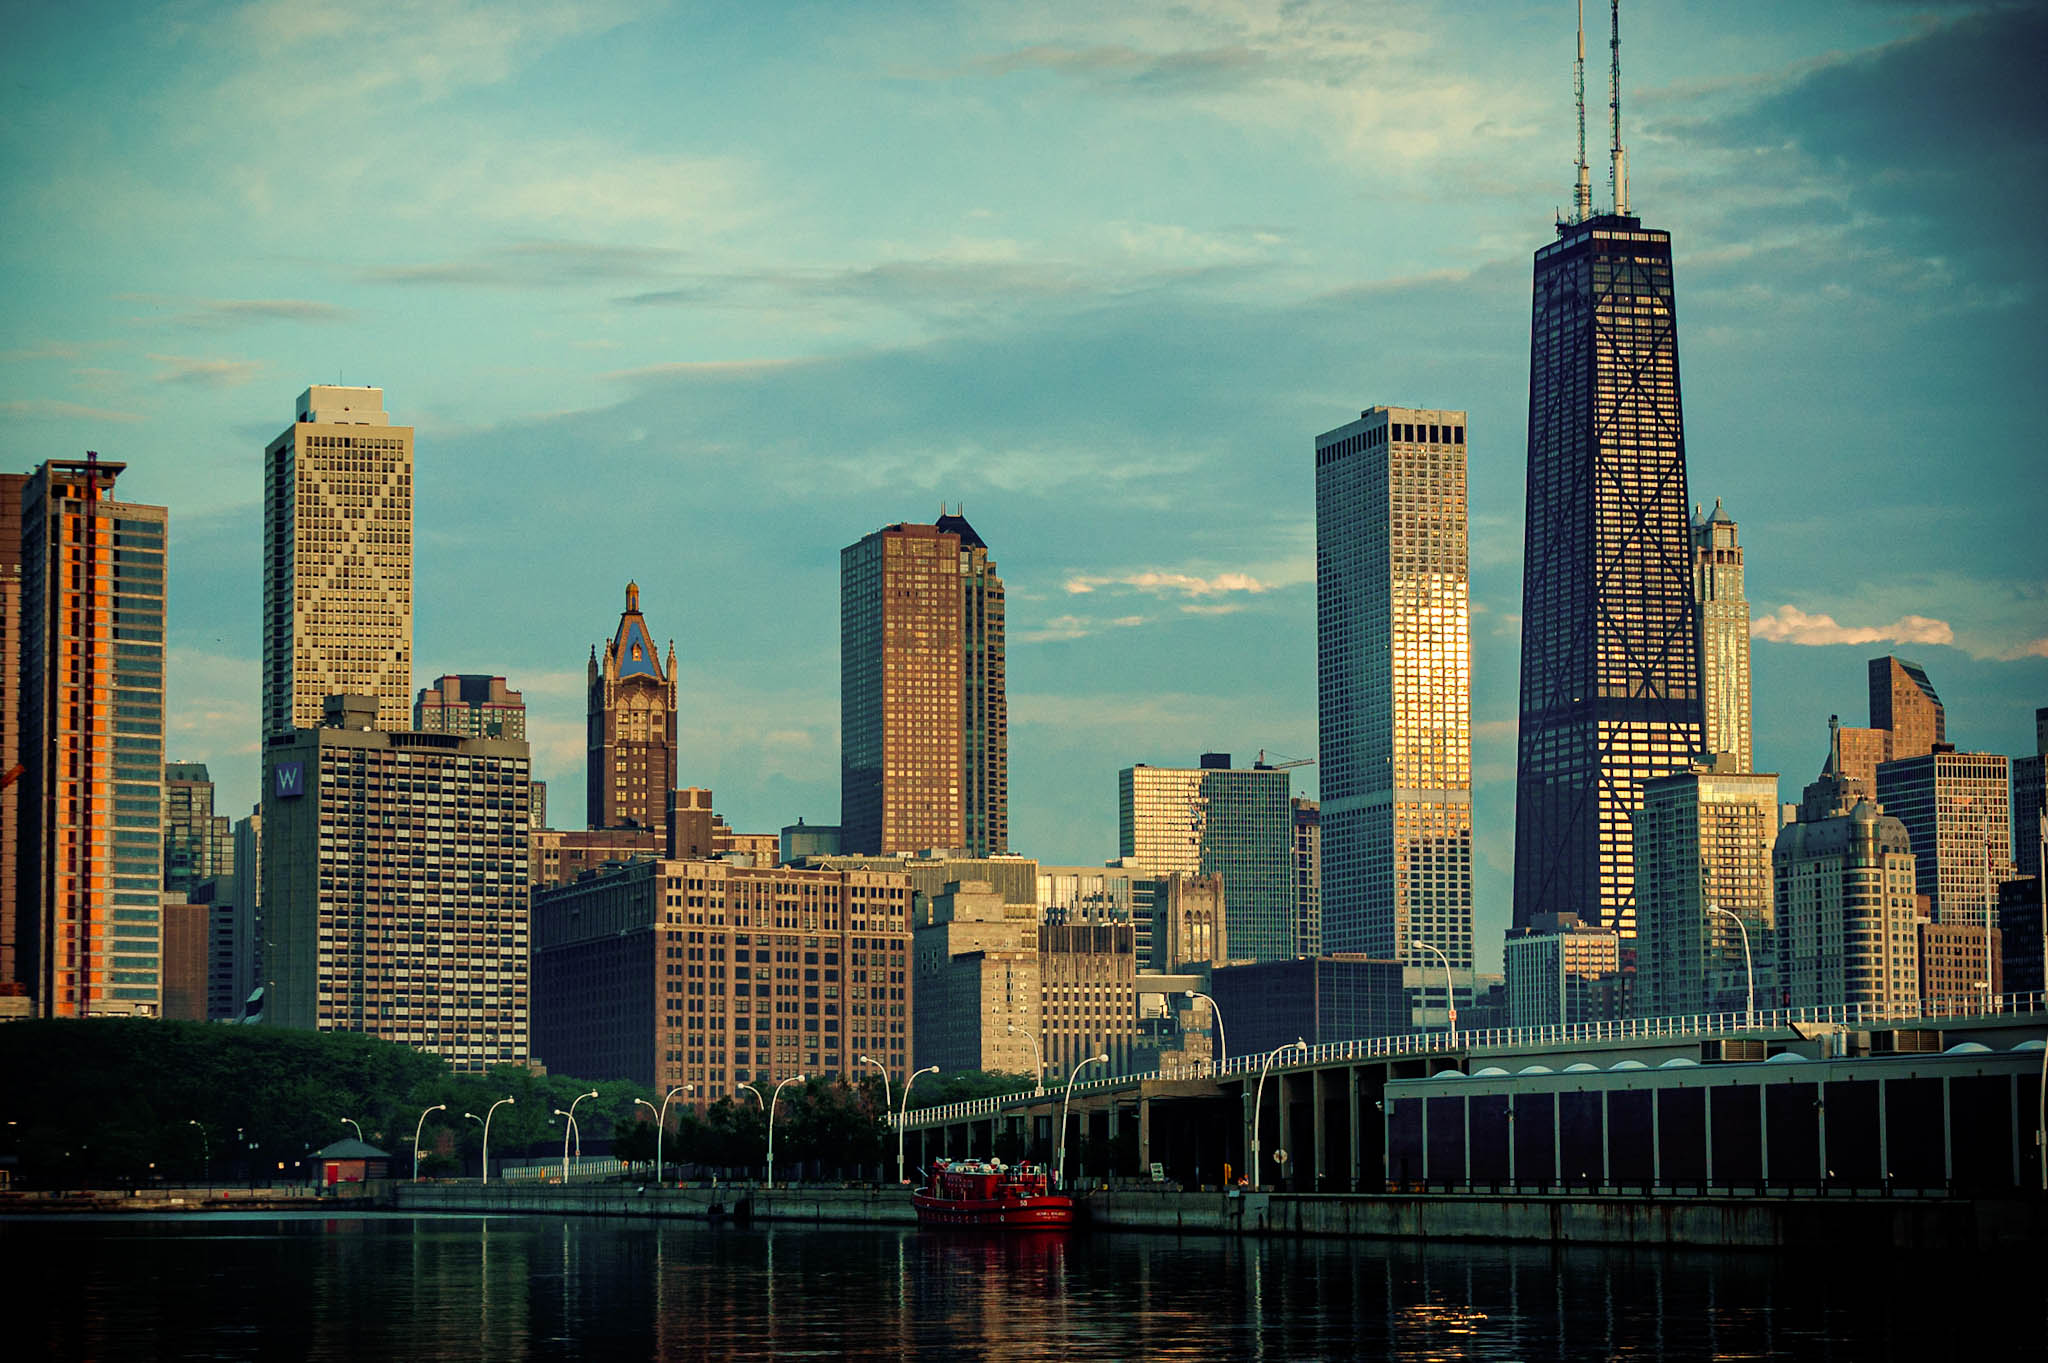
<point>396,1287</point>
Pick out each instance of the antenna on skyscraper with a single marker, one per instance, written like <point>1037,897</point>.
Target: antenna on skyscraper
<point>1583,194</point>
<point>1620,171</point>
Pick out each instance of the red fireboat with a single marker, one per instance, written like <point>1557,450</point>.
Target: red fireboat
<point>991,1195</point>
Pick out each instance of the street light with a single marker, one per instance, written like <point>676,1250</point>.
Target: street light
<point>1748,966</point>
<point>661,1125</point>
<point>419,1126</point>
<point>1259,1100</point>
<point>1450,1000</point>
<point>571,1115</point>
<point>350,1121</point>
<point>568,1127</point>
<point>489,1113</point>
<point>1037,1058</point>
<point>903,1116</point>
<point>793,1079</point>
<point>205,1150</point>
<point>888,1098</point>
<point>1215,1015</point>
<point>1072,1075</point>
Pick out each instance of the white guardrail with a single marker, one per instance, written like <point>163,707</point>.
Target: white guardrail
<point>1512,1038</point>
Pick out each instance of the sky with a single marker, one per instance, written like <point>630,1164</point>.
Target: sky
<point>695,295</point>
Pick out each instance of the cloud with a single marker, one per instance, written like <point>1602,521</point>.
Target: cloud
<point>219,314</point>
<point>2033,648</point>
<point>49,410</point>
<point>1063,628</point>
<point>185,369</point>
<point>533,263</point>
<point>1157,582</point>
<point>1790,625</point>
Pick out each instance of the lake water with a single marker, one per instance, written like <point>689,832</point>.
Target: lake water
<point>396,1287</point>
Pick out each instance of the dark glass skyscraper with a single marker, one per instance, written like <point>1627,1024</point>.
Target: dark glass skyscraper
<point>1611,692</point>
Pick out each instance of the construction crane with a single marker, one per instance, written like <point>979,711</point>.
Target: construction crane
<point>1264,765</point>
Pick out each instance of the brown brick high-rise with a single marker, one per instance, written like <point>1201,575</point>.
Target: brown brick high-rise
<point>924,713</point>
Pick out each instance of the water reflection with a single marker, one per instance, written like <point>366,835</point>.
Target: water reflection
<point>511,1288</point>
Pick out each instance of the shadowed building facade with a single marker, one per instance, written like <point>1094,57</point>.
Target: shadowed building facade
<point>337,560</point>
<point>1233,822</point>
<point>923,693</point>
<point>1610,684</point>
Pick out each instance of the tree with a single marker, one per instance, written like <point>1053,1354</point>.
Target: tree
<point>634,1144</point>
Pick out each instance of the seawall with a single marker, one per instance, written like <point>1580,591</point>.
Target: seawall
<point>1690,1222</point>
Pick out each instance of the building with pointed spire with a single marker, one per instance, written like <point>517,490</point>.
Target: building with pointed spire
<point>1723,624</point>
<point>1610,673</point>
<point>631,766</point>
<point>923,692</point>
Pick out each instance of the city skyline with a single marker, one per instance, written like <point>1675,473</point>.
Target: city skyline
<point>658,340</point>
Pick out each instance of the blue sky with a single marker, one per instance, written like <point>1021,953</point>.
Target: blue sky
<point>697,295</point>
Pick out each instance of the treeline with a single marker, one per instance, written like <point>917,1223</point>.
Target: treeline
<point>108,1102</point>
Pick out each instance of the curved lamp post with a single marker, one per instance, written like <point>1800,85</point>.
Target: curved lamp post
<point>1037,1058</point>
<point>1076,1074</point>
<point>568,1127</point>
<point>1748,966</point>
<point>489,1113</point>
<point>1450,1000</point>
<point>1216,1015</point>
<point>350,1121</point>
<point>418,1127</point>
<point>903,1116</point>
<point>1259,1101</point>
<point>571,1115</point>
<point>888,1101</point>
<point>793,1079</point>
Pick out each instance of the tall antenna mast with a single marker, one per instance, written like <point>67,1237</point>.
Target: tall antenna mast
<point>1583,195</point>
<point>1620,171</point>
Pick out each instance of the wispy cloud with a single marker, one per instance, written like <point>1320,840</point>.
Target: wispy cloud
<point>1159,582</point>
<point>206,373</point>
<point>1791,625</point>
<point>220,314</point>
<point>533,263</point>
<point>1062,628</point>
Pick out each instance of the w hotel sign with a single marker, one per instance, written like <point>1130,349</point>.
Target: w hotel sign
<point>288,780</point>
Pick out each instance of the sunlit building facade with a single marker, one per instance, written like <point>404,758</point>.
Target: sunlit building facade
<point>630,768</point>
<point>337,560</point>
<point>923,693</point>
<point>1394,672</point>
<point>1216,819</point>
<point>1724,635</point>
<point>1956,807</point>
<point>90,871</point>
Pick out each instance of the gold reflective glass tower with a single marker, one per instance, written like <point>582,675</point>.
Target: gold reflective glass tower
<point>1394,669</point>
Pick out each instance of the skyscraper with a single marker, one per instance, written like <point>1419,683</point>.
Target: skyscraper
<point>1308,877</point>
<point>1610,687</point>
<point>395,885</point>
<point>1703,842</point>
<point>1903,703</point>
<point>12,925</point>
<point>630,771</point>
<point>1957,809</point>
<point>2030,800</point>
<point>1847,914</point>
<point>337,560</point>
<point>1394,673</point>
<point>1216,819</point>
<point>198,844</point>
<point>1723,624</point>
<point>92,743</point>
<point>923,697</point>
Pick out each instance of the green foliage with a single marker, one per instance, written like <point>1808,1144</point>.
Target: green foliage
<point>939,1089</point>
<point>634,1143</point>
<point>99,1102</point>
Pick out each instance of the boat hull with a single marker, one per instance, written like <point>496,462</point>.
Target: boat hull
<point>1038,1213</point>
